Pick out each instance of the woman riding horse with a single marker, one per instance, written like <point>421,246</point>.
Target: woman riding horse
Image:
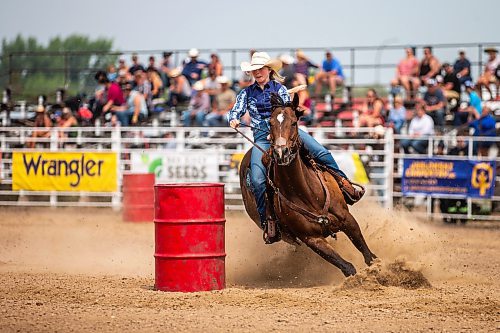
<point>256,99</point>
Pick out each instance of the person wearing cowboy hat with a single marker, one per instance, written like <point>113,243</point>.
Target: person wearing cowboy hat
<point>256,99</point>
<point>193,68</point>
<point>488,77</point>
<point>224,101</point>
<point>302,66</point>
<point>43,125</point>
<point>199,106</point>
<point>180,90</point>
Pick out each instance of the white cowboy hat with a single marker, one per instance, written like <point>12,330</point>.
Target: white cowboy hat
<point>193,53</point>
<point>259,60</point>
<point>286,59</point>
<point>175,72</point>
<point>198,86</point>
<point>222,79</point>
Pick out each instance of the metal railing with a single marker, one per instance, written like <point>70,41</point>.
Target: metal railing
<point>381,159</point>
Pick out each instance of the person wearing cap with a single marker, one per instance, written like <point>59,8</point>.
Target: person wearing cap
<point>466,111</point>
<point>42,125</point>
<point>488,77</point>
<point>65,119</point>
<point>136,66</point>
<point>113,92</point>
<point>451,87</point>
<point>331,72</point>
<point>434,102</point>
<point>224,101</point>
<point>256,100</point>
<point>134,110</point>
<point>180,90</point>
<point>193,68</point>
<point>461,67</point>
<point>199,106</point>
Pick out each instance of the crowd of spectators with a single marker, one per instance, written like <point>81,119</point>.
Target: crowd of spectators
<point>200,94</point>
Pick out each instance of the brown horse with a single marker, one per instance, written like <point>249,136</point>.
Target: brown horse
<point>307,199</point>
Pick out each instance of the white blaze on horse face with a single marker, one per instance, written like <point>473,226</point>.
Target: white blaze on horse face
<point>280,118</point>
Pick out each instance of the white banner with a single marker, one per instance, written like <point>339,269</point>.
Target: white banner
<point>177,167</point>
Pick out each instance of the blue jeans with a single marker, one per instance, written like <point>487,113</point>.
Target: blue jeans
<point>188,119</point>
<point>420,145</point>
<point>125,117</point>
<point>258,172</point>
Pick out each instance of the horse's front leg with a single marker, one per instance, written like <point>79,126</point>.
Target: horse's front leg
<point>352,230</point>
<point>321,246</point>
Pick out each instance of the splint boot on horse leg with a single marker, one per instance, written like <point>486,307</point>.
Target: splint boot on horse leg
<point>323,157</point>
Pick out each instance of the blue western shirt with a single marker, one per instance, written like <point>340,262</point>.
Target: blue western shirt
<point>257,101</point>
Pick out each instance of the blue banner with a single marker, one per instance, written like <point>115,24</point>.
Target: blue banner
<point>474,179</point>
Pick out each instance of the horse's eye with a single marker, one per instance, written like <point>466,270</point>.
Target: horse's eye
<point>294,123</point>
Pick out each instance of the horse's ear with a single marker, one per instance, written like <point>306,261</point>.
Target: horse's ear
<point>295,104</point>
<point>276,100</point>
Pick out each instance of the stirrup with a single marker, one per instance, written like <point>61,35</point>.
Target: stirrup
<point>352,198</point>
<point>271,232</point>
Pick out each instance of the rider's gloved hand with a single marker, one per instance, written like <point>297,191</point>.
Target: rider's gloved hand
<point>234,123</point>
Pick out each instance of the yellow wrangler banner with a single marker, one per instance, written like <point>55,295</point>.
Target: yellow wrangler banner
<point>51,171</point>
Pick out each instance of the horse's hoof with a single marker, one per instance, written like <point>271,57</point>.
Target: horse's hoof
<point>349,271</point>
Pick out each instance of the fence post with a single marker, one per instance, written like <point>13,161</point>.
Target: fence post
<point>65,68</point>
<point>353,67</point>
<point>116,145</point>
<point>389,169</point>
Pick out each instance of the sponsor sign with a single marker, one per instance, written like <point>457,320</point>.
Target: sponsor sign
<point>438,176</point>
<point>64,171</point>
<point>175,167</point>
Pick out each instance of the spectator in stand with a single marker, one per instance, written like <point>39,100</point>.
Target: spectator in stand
<point>331,72</point>
<point>434,102</point>
<point>166,67</point>
<point>193,69</point>
<point>136,66</point>
<point>180,90</point>
<point>462,67</point>
<point>134,110</point>
<point>152,65</point>
<point>65,119</point>
<point>484,124</point>
<point>302,67</point>
<point>212,87</point>
<point>305,101</point>
<point>123,69</point>
<point>215,65</point>
<point>407,74</point>
<point>42,125</point>
<point>224,102</point>
<point>429,66</point>
<point>156,83</point>
<point>465,109</point>
<point>488,77</point>
<point>397,115</point>
<point>142,85</point>
<point>288,70</point>
<point>246,77</point>
<point>112,91</point>
<point>112,73</point>
<point>372,111</point>
<point>199,106</point>
<point>421,126</point>
<point>451,88</point>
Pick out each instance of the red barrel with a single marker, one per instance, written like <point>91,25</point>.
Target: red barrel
<point>138,197</point>
<point>189,237</point>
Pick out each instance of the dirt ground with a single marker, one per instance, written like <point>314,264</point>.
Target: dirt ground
<point>81,270</point>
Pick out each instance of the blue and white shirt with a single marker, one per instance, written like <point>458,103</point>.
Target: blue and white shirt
<point>257,101</point>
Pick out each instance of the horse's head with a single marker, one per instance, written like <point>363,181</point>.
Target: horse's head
<point>284,129</point>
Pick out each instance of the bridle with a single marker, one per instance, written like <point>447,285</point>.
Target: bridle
<point>294,146</point>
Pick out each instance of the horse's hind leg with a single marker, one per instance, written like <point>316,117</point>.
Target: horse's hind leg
<point>326,251</point>
<point>352,230</point>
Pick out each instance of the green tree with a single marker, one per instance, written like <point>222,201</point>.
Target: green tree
<point>32,69</point>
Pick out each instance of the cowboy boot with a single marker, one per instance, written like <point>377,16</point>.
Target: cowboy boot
<point>351,194</point>
<point>272,232</point>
